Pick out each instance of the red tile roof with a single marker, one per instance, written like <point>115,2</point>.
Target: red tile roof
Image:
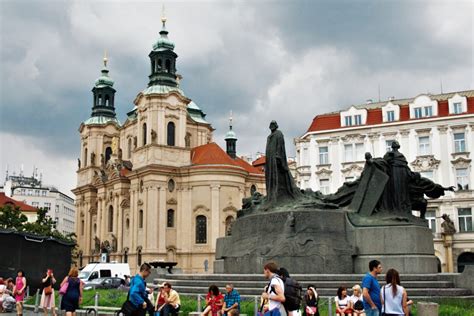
<point>5,200</point>
<point>374,115</point>
<point>212,155</point>
<point>259,161</point>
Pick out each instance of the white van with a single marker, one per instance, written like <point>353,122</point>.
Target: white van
<point>103,270</point>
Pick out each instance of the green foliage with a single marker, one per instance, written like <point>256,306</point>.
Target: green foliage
<point>12,218</point>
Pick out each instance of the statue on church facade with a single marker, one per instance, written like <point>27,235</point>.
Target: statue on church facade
<point>448,225</point>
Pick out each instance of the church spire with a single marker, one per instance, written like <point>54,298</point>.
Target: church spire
<point>231,140</point>
<point>104,93</point>
<point>163,59</point>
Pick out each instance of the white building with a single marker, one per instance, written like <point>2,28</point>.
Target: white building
<point>436,134</point>
<point>31,191</point>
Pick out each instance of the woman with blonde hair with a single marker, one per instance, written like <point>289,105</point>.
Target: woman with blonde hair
<point>73,293</point>
<point>356,301</point>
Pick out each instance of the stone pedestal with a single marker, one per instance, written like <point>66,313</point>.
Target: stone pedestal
<point>448,246</point>
<point>314,241</point>
<point>427,309</point>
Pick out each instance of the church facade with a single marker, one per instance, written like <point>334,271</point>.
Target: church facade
<point>156,188</point>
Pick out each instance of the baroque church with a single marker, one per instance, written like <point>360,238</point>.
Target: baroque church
<point>156,188</point>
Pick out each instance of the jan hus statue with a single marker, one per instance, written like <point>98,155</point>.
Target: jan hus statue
<point>278,178</point>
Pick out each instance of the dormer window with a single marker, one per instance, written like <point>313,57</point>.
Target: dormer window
<point>390,112</point>
<point>348,120</point>
<point>457,108</point>
<point>422,107</point>
<point>353,117</point>
<point>358,119</point>
<point>457,104</point>
<point>390,116</point>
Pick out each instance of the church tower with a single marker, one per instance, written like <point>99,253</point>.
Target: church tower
<point>104,95</point>
<point>231,140</point>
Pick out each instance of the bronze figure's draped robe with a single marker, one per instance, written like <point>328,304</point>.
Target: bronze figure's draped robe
<point>279,181</point>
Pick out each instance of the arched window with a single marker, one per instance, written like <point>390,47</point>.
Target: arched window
<point>127,224</point>
<point>95,228</point>
<point>129,150</point>
<point>187,140</point>
<point>99,100</point>
<point>171,185</point>
<point>111,218</point>
<point>82,227</point>
<point>107,100</point>
<point>144,133</point>
<point>139,257</point>
<point>152,66</point>
<point>160,65</point>
<point>170,219</point>
<point>171,131</point>
<point>201,229</point>
<point>108,153</point>
<point>85,157</point>
<point>229,221</point>
<point>465,259</point>
<point>168,65</point>
<point>140,219</point>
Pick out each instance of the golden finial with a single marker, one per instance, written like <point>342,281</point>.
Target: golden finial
<point>105,58</point>
<point>163,16</point>
<point>230,120</point>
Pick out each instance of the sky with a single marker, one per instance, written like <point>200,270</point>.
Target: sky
<point>263,60</point>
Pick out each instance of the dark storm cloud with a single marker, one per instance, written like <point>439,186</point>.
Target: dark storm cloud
<point>263,60</point>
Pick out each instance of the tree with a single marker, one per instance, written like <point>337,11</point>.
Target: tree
<point>43,225</point>
<point>12,218</point>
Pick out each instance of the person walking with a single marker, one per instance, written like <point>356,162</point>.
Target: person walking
<point>275,291</point>
<point>19,291</point>
<point>371,289</point>
<point>72,298</point>
<point>47,295</point>
<point>394,296</point>
<point>138,294</point>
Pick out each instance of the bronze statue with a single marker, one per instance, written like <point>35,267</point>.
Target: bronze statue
<point>279,181</point>
<point>448,225</point>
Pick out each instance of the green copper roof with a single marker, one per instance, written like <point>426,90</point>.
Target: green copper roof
<point>104,80</point>
<point>196,114</point>
<point>230,135</point>
<point>163,43</point>
<point>162,89</point>
<point>101,120</point>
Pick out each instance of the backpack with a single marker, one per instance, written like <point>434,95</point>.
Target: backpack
<point>293,294</point>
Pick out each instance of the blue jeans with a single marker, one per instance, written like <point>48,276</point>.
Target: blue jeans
<point>372,312</point>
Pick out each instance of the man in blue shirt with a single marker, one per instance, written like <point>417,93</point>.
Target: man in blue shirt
<point>231,299</point>
<point>138,295</point>
<point>371,289</point>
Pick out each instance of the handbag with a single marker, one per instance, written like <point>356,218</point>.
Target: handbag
<point>63,289</point>
<point>311,310</point>
<point>128,308</point>
<point>48,290</point>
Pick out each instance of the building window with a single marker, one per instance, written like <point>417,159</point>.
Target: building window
<point>82,227</point>
<point>108,154</point>
<point>170,222</point>
<point>418,112</point>
<point>388,145</point>
<point>111,218</point>
<point>457,108</point>
<point>428,111</point>
<point>140,219</point>
<point>171,132</point>
<point>459,143</point>
<point>424,145</point>
<point>348,157</point>
<point>127,223</point>
<point>323,155</point>
<point>125,256</point>
<point>139,257</point>
<point>465,219</point>
<point>57,208</point>
<point>85,157</point>
<point>324,186</point>
<point>43,193</point>
<point>171,185</point>
<point>144,133</point>
<point>427,174</point>
<point>348,120</point>
<point>201,229</point>
<point>358,119</point>
<point>431,218</point>
<point>47,206</point>
<point>390,116</point>
<point>359,151</point>
<point>129,148</point>
<point>462,179</point>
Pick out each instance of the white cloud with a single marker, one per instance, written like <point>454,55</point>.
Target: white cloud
<point>17,151</point>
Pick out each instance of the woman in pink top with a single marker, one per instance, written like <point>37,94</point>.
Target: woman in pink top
<point>19,291</point>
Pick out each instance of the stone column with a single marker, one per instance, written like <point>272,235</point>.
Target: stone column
<point>104,219</point>
<point>448,246</point>
<point>133,221</point>
<point>182,128</point>
<point>162,220</point>
<point>184,218</point>
<point>88,228</point>
<point>146,215</point>
<point>99,217</point>
<point>152,218</point>
<point>214,229</point>
<point>161,126</point>
<point>444,171</point>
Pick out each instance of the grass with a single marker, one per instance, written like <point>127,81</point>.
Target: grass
<point>115,298</point>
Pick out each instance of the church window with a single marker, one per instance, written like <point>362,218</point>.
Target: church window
<point>201,229</point>
<point>160,64</point>
<point>85,157</point>
<point>139,257</point>
<point>129,149</point>
<point>82,227</point>
<point>111,218</point>
<point>144,133</point>
<point>125,256</point>
<point>168,65</point>
<point>171,132</point>
<point>99,100</point>
<point>153,68</point>
<point>140,219</point>
<point>127,224</point>
<point>108,153</point>
<point>107,99</point>
<point>170,219</point>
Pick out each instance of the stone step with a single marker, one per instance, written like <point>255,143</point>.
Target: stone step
<point>304,284</point>
<point>428,291</point>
